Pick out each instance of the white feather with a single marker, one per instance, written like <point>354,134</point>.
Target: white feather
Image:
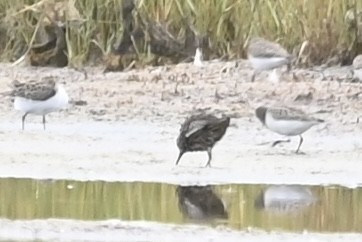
<point>287,127</point>
<point>198,58</point>
<point>358,74</point>
<point>56,102</point>
<point>261,64</point>
<point>274,76</point>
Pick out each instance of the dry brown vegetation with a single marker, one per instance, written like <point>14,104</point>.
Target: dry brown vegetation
<point>94,27</point>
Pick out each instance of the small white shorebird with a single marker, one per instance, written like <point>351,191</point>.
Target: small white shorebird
<point>286,121</point>
<point>357,67</point>
<point>266,55</point>
<point>198,58</point>
<point>39,98</point>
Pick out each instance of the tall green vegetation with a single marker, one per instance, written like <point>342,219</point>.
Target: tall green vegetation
<point>228,23</point>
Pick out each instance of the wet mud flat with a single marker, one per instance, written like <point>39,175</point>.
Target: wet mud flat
<point>114,230</point>
<point>123,127</point>
<point>146,151</point>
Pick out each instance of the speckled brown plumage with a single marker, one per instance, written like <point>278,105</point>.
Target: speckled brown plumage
<point>34,90</point>
<point>200,133</point>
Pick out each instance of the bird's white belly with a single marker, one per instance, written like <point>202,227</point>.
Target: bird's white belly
<point>287,127</point>
<point>198,58</point>
<point>358,74</point>
<point>58,101</point>
<point>267,63</point>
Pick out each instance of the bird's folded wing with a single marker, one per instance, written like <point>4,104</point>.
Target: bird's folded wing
<point>289,114</point>
<point>35,91</point>
<point>195,126</point>
<point>269,49</point>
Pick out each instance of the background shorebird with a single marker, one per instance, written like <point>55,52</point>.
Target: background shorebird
<point>198,58</point>
<point>38,97</point>
<point>267,55</point>
<point>200,133</point>
<point>200,202</point>
<point>357,67</point>
<point>286,121</point>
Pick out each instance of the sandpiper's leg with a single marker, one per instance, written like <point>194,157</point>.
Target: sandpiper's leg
<point>179,157</point>
<point>300,143</point>
<point>280,141</point>
<point>291,72</point>
<point>44,121</point>
<point>210,157</point>
<point>23,120</point>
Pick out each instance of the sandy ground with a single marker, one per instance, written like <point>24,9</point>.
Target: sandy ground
<point>126,130</point>
<point>114,230</point>
<point>123,127</point>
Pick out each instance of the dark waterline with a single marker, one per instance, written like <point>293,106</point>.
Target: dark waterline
<point>288,208</point>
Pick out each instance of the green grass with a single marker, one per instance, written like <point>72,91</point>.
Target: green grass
<point>229,24</point>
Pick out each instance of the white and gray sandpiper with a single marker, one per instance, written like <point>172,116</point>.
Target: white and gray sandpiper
<point>38,97</point>
<point>267,55</point>
<point>286,121</point>
<point>357,67</point>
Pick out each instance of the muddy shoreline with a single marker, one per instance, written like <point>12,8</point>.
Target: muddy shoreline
<point>123,126</point>
<point>112,152</point>
<point>116,230</point>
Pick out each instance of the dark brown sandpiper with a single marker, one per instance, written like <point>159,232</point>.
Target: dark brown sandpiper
<point>200,132</point>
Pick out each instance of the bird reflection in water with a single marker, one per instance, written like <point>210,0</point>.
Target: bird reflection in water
<point>285,199</point>
<point>200,203</point>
